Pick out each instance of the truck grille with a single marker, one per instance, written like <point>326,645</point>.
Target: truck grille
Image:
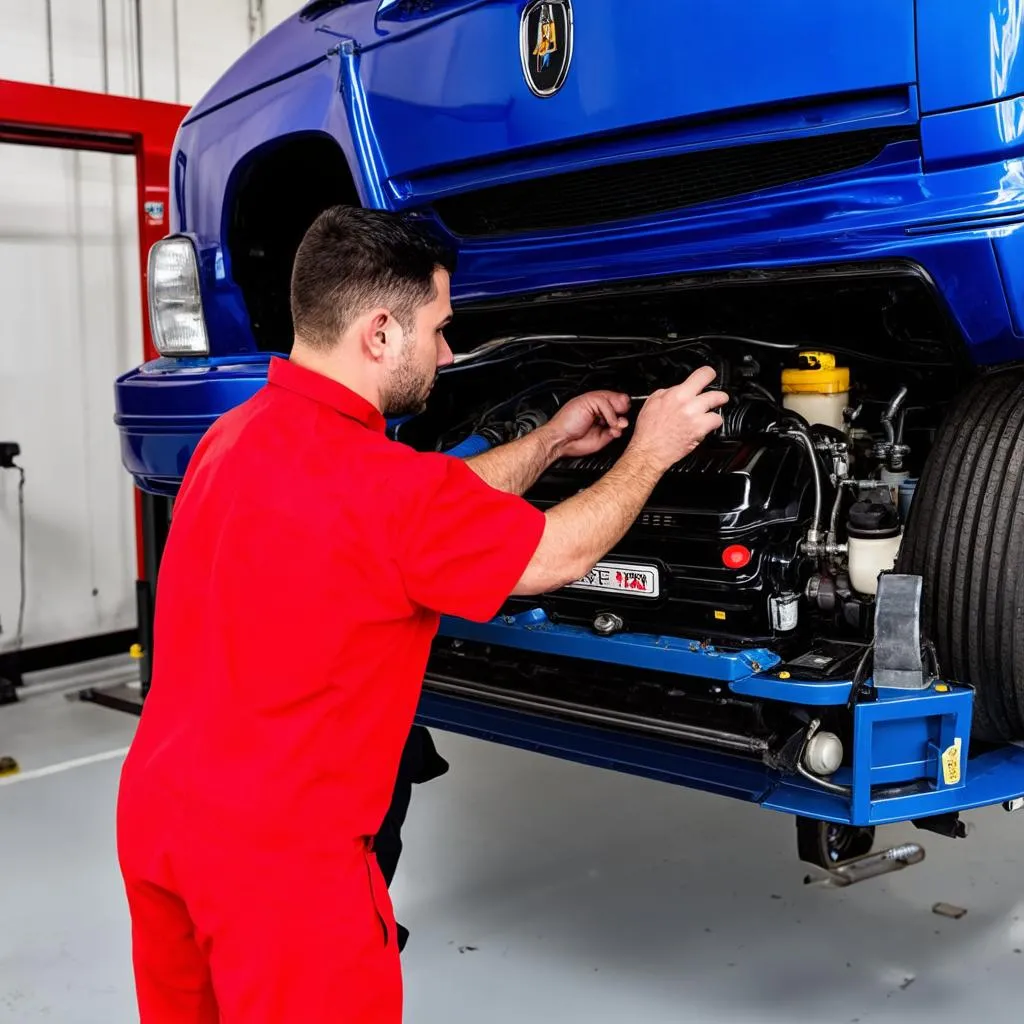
<point>640,188</point>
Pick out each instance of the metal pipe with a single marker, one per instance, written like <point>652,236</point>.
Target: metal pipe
<point>138,45</point>
<point>109,672</point>
<point>871,865</point>
<point>176,48</point>
<point>824,784</point>
<point>104,47</point>
<point>815,534</point>
<point>674,730</point>
<point>833,524</point>
<point>67,685</point>
<point>890,413</point>
<point>49,38</point>
<point>257,20</point>
<point>832,787</point>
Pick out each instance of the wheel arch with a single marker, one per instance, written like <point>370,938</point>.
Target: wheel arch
<point>272,197</point>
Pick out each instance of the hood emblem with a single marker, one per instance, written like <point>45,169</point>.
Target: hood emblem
<point>545,45</point>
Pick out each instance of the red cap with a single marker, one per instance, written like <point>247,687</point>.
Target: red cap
<point>736,556</point>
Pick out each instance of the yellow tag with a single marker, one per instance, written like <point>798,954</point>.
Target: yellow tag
<point>941,688</point>
<point>720,615</point>
<point>951,763</point>
<point>783,675</point>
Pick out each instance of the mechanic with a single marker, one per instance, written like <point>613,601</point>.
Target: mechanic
<point>420,763</point>
<point>305,570</point>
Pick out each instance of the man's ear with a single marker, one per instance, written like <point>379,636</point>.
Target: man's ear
<point>377,331</point>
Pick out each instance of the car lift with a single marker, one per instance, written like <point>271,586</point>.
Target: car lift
<point>44,115</point>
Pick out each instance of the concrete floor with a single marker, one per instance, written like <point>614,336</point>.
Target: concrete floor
<point>540,890</point>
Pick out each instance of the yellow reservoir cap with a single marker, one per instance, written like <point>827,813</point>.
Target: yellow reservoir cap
<point>818,375</point>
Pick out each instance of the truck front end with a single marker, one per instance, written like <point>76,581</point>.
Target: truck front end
<point>824,201</point>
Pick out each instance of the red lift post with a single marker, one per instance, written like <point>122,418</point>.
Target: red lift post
<point>44,115</point>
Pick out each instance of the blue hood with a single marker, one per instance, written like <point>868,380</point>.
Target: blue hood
<point>456,96</point>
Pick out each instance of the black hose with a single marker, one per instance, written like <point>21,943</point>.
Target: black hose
<point>860,676</point>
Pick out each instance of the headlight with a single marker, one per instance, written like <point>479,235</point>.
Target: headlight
<point>175,304</point>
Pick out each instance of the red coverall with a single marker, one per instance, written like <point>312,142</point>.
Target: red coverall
<point>299,592</point>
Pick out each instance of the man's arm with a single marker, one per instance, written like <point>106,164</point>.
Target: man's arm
<point>581,427</point>
<point>516,466</point>
<point>581,530</point>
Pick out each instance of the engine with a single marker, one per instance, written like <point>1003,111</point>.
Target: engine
<point>776,528</point>
<point>715,550</point>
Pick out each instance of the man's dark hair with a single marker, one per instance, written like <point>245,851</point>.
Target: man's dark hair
<point>352,260</point>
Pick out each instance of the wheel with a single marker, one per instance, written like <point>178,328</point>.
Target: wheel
<point>825,844</point>
<point>965,538</point>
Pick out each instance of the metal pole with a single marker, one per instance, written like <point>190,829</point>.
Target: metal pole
<point>49,37</point>
<point>177,51</point>
<point>104,45</point>
<point>257,20</point>
<point>138,45</point>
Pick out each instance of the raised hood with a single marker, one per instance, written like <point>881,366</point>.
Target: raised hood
<point>451,89</point>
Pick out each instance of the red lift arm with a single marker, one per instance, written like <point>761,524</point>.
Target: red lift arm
<point>43,115</point>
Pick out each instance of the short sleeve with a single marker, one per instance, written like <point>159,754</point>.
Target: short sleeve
<point>461,545</point>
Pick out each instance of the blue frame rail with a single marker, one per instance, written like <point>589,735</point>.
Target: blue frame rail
<point>533,631</point>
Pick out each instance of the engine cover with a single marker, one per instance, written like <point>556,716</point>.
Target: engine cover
<point>669,573</point>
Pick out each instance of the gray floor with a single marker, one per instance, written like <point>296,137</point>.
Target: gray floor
<point>539,890</point>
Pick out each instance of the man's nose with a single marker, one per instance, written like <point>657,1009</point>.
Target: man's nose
<point>444,354</point>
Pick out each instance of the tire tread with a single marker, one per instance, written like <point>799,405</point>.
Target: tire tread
<point>965,537</point>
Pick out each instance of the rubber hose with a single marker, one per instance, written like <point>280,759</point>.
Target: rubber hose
<point>475,444</point>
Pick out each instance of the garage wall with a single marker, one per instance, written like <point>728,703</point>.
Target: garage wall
<point>70,316</point>
<point>70,319</point>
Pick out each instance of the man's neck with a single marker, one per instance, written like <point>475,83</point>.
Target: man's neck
<point>336,367</point>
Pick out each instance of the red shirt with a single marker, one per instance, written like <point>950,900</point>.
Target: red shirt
<point>307,563</point>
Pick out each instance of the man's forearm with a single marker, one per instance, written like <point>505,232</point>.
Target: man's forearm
<point>515,467</point>
<point>581,529</point>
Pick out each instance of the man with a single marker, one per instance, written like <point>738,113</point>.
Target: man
<point>304,574</point>
<point>420,763</point>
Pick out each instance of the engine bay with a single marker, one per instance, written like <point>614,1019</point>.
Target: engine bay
<point>768,538</point>
<point>772,532</point>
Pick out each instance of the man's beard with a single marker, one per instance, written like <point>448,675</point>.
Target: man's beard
<point>408,388</point>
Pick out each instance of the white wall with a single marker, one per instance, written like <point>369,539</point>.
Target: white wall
<point>70,313</point>
<point>210,35</point>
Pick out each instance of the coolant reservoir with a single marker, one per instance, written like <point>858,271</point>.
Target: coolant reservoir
<point>818,390</point>
<point>873,533</point>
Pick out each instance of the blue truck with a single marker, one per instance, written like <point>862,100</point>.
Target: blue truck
<point>822,609</point>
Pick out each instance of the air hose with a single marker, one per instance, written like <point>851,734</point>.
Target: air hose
<point>475,444</point>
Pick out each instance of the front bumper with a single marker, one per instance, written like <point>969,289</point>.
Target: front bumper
<point>163,408</point>
<point>911,759</point>
<point>989,778</point>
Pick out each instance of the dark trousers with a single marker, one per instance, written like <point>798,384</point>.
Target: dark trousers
<point>420,763</point>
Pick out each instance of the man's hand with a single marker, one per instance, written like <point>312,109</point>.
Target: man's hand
<point>587,423</point>
<point>581,427</point>
<point>583,528</point>
<point>675,420</point>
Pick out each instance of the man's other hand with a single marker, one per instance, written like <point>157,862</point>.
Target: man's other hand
<point>675,420</point>
<point>587,423</point>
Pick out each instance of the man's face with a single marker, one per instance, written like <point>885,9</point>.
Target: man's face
<point>410,379</point>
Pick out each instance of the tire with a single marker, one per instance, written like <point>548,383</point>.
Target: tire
<point>826,845</point>
<point>965,537</point>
